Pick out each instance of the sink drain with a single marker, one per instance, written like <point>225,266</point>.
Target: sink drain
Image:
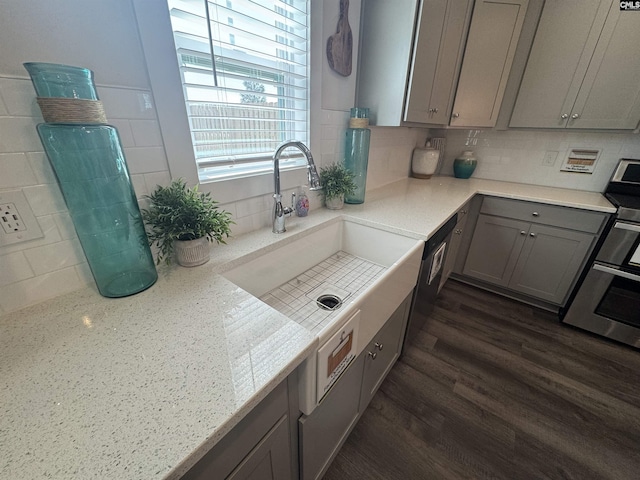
<point>329,302</point>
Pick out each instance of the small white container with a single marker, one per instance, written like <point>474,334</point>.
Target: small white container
<point>424,162</point>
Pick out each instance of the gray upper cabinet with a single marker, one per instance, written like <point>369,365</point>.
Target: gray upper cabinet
<point>491,46</point>
<point>451,57</point>
<point>439,45</point>
<point>581,72</point>
<point>386,41</point>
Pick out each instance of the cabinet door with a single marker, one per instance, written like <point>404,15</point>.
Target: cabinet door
<point>439,44</point>
<point>382,353</point>
<point>610,94</point>
<point>495,248</point>
<point>270,459</point>
<point>454,245</point>
<point>549,263</point>
<point>491,45</point>
<point>565,40</point>
<point>323,432</point>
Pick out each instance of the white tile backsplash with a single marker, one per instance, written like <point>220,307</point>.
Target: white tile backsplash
<point>19,135</point>
<point>14,267</point>
<point>152,180</point>
<point>517,156</point>
<point>127,103</point>
<point>56,256</point>
<point>65,225</point>
<point>20,294</point>
<point>124,131</point>
<point>41,167</point>
<point>20,98</point>
<point>45,199</point>
<point>146,133</point>
<point>146,159</point>
<point>3,108</point>
<point>15,171</point>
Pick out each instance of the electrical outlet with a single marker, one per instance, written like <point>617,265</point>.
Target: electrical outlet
<point>550,158</point>
<point>10,219</point>
<point>17,219</point>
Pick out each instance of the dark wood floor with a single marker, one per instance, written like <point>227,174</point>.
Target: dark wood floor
<point>496,389</point>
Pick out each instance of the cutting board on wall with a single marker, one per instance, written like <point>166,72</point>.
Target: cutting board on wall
<point>340,44</point>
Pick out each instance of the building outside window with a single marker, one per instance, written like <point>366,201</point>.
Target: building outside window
<point>244,69</point>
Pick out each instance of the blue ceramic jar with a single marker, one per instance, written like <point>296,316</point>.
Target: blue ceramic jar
<point>464,165</point>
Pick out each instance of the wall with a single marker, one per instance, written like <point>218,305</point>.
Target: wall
<point>517,155</point>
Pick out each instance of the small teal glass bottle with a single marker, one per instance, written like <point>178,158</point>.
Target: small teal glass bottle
<point>356,152</point>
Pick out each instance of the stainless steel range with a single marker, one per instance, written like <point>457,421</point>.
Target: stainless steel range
<point>608,301</point>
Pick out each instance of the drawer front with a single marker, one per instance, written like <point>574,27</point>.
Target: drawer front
<point>565,217</point>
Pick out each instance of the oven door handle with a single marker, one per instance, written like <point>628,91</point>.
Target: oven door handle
<point>627,226</point>
<point>616,272</point>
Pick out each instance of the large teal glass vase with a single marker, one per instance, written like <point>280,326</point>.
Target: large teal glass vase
<point>61,81</point>
<point>356,154</point>
<point>94,179</point>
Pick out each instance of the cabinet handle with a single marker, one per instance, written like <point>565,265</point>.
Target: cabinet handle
<point>379,346</point>
<point>564,116</point>
<point>455,115</point>
<point>435,110</point>
<point>575,115</point>
<point>373,355</point>
<point>532,234</point>
<point>430,110</point>
<point>457,232</point>
<point>535,214</point>
<point>522,232</point>
<point>463,212</point>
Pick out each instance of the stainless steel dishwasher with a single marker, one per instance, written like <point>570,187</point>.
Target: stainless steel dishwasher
<point>424,298</point>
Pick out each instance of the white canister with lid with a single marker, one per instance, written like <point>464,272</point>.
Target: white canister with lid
<point>424,162</point>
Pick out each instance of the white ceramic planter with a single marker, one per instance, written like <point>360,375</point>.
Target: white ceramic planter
<point>335,203</point>
<point>191,253</point>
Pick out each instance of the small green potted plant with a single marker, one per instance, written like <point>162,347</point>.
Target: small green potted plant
<point>184,221</point>
<point>337,182</point>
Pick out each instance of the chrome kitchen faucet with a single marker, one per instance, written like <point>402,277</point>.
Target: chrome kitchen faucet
<point>279,211</point>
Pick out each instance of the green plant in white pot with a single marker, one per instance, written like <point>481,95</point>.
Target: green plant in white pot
<point>337,182</point>
<point>184,221</point>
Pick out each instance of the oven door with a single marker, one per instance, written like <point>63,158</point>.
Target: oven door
<point>608,303</point>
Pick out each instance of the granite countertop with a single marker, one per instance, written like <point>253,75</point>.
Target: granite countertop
<point>143,386</point>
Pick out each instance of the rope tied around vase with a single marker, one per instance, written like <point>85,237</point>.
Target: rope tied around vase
<point>72,110</point>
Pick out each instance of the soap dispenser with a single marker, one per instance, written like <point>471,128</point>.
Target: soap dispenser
<point>302,203</point>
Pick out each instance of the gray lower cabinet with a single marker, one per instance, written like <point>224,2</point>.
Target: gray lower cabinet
<point>455,244</point>
<point>260,447</point>
<point>533,249</point>
<point>382,352</point>
<point>323,432</point>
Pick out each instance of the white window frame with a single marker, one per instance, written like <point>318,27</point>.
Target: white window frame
<point>157,40</point>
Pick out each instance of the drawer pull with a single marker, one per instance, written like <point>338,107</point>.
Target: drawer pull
<point>373,355</point>
<point>535,214</point>
<point>532,234</point>
<point>379,346</point>
<point>522,232</point>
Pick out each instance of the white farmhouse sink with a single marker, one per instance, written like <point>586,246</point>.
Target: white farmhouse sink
<point>287,272</point>
<point>399,255</point>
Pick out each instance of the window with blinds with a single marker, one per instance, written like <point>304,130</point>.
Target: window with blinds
<point>244,67</point>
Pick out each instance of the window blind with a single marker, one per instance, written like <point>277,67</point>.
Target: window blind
<point>244,68</point>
